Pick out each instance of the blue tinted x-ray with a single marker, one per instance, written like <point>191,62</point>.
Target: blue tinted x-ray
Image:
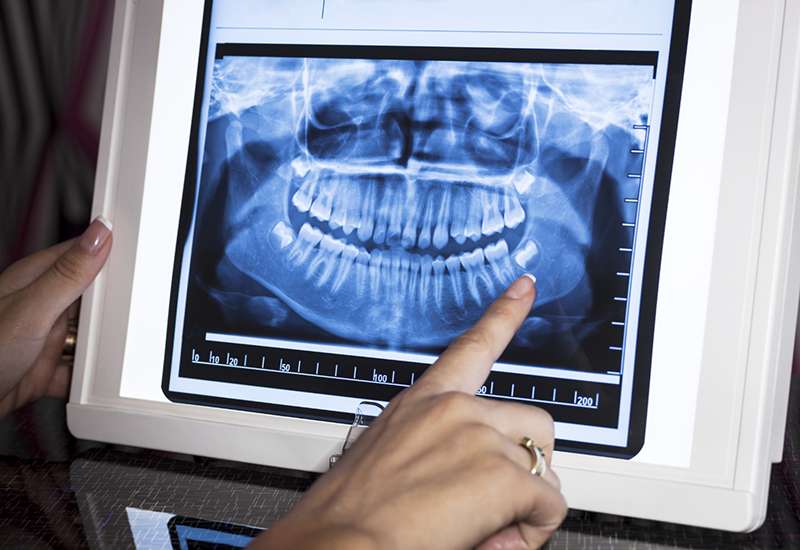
<point>388,202</point>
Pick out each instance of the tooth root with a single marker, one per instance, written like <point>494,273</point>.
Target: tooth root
<point>500,262</point>
<point>364,232</point>
<point>513,214</point>
<point>438,266</point>
<point>345,212</point>
<point>492,218</point>
<point>427,221</point>
<point>394,273</point>
<point>281,236</point>
<point>349,255</point>
<point>473,263</point>
<point>305,195</point>
<point>362,272</point>
<point>473,226</point>
<point>413,210</point>
<point>440,234</point>
<point>396,209</point>
<point>415,261</point>
<point>382,218</point>
<point>425,267</point>
<point>454,269</point>
<point>307,239</point>
<point>326,259</point>
<point>375,260</point>
<point>525,254</point>
<point>460,210</point>
<point>321,208</point>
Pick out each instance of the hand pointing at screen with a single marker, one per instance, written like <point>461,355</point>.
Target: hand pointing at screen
<point>440,468</point>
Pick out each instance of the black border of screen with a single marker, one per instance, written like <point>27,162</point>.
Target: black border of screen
<point>655,238</point>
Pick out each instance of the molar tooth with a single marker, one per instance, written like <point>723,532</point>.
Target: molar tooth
<point>440,233</point>
<point>307,239</point>
<point>454,269</point>
<point>346,208</point>
<point>305,195</point>
<point>396,211</point>
<point>425,266</point>
<point>513,214</point>
<point>500,262</point>
<point>281,236</point>
<point>524,255</point>
<point>375,260</point>
<point>367,213</point>
<point>438,281</point>
<point>458,225</point>
<point>301,166</point>
<point>321,208</point>
<point>473,263</point>
<point>345,265</point>
<point>492,218</point>
<point>427,220</point>
<point>473,226</point>
<point>413,210</point>
<point>329,250</point>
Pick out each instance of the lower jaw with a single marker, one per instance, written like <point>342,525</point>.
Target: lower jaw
<point>403,302</point>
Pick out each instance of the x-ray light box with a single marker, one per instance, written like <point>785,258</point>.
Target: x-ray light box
<point>311,199</point>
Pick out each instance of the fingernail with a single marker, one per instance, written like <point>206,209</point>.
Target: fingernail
<point>521,286</point>
<point>95,235</point>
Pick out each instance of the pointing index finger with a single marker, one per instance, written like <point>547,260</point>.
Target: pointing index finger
<point>466,363</point>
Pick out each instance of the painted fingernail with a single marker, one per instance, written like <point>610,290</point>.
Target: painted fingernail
<point>521,286</point>
<point>95,235</point>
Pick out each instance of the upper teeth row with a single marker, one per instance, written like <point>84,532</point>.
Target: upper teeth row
<point>408,214</point>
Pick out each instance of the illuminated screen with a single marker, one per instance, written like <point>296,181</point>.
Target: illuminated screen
<point>351,208</point>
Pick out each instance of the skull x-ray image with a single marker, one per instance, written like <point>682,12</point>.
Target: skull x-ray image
<point>388,202</point>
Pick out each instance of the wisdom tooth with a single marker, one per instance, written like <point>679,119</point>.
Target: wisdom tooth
<point>329,250</point>
<point>492,218</point>
<point>523,181</point>
<point>321,208</point>
<point>475,268</point>
<point>525,253</point>
<point>307,239</point>
<point>454,269</point>
<point>281,236</point>
<point>438,281</point>
<point>459,215</point>
<point>301,166</point>
<point>500,262</point>
<point>345,265</point>
<point>364,232</point>
<point>302,199</point>
<point>440,233</point>
<point>513,214</point>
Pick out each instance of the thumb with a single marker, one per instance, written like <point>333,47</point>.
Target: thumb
<point>69,276</point>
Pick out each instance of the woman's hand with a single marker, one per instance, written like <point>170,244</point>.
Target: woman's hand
<point>38,295</point>
<point>440,467</point>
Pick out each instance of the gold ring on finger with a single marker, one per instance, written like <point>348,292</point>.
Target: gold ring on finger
<point>538,464</point>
